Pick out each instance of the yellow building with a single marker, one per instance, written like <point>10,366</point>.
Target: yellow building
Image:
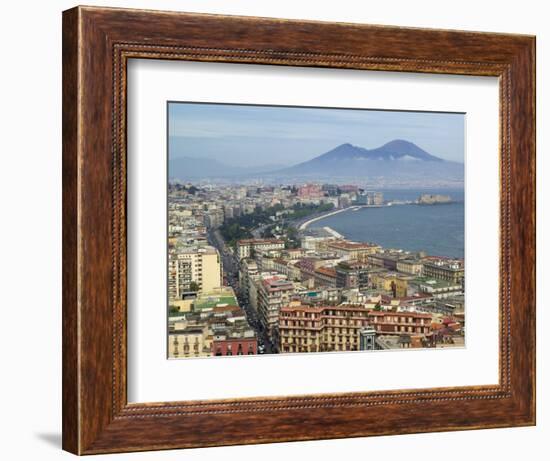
<point>182,305</point>
<point>246,247</point>
<point>353,250</point>
<point>386,281</point>
<point>201,265</point>
<point>410,266</point>
<point>190,341</point>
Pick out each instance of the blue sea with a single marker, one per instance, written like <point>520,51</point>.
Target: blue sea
<point>436,229</point>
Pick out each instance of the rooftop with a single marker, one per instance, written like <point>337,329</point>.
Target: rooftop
<point>405,299</point>
<point>259,241</point>
<point>447,263</point>
<point>194,249</point>
<point>400,314</point>
<point>329,271</point>
<point>434,283</point>
<point>294,307</point>
<point>345,245</point>
<point>221,297</point>
<point>276,283</point>
<point>188,331</point>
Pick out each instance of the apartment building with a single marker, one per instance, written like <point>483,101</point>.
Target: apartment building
<point>410,266</point>
<point>190,341</point>
<point>246,248</point>
<point>305,328</point>
<point>450,270</point>
<point>199,264</point>
<point>273,293</point>
<point>353,250</point>
<point>398,323</point>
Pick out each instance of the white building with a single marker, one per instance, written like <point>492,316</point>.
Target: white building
<point>201,265</point>
<point>245,248</point>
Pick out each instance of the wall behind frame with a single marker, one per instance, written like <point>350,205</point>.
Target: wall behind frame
<point>30,236</point>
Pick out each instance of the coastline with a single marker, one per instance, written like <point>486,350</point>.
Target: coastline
<point>332,232</point>
<point>441,237</point>
<point>305,224</point>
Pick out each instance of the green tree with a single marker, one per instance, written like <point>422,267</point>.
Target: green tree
<point>194,286</point>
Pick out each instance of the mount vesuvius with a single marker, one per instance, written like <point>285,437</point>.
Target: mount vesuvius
<point>397,159</point>
<point>396,162</point>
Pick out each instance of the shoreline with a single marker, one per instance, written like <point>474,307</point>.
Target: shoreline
<point>305,224</point>
<point>407,248</point>
<point>332,232</point>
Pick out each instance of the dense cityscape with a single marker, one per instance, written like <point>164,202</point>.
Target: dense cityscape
<point>247,275</point>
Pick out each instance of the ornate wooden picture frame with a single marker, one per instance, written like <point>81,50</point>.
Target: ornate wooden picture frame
<point>97,44</point>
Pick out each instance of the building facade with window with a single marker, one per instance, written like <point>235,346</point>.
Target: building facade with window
<point>238,345</point>
<point>246,248</point>
<point>304,328</point>
<point>450,270</point>
<point>199,264</point>
<point>273,294</point>
<point>397,323</point>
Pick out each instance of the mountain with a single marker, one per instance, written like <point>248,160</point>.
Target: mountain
<point>393,150</point>
<point>396,162</point>
<point>396,159</point>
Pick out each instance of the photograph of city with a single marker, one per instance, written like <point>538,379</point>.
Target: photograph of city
<point>313,230</point>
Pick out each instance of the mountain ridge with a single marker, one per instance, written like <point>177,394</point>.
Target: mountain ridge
<point>392,150</point>
<point>397,159</point>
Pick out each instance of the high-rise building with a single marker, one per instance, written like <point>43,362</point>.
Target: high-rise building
<point>248,270</point>
<point>273,294</point>
<point>179,276</point>
<point>201,265</point>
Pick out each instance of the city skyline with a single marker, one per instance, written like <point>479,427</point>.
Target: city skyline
<point>285,235</point>
<point>255,270</point>
<point>279,136</point>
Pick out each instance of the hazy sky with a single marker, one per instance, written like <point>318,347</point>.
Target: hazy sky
<point>274,135</point>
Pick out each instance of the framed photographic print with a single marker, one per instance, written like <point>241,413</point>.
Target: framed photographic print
<point>285,230</point>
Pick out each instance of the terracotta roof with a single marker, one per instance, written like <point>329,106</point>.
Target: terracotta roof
<point>275,283</point>
<point>401,314</point>
<point>302,308</point>
<point>258,241</point>
<point>329,271</point>
<point>320,309</point>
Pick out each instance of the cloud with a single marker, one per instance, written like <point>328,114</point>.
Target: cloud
<point>232,128</point>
